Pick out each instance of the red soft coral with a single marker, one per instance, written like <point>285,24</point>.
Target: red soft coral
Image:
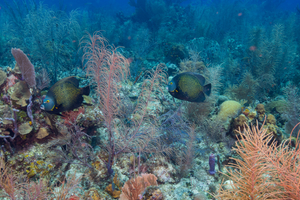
<point>10,81</point>
<point>71,116</point>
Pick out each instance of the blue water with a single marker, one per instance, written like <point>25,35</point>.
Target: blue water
<point>122,5</point>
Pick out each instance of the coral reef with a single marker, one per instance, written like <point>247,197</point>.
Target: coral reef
<point>130,139</point>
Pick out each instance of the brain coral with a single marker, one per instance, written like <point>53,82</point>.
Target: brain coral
<point>229,109</point>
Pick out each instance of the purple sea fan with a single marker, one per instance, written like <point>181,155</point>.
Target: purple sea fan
<point>27,69</point>
<point>212,162</point>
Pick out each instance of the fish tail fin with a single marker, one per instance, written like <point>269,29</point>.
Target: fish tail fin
<point>207,89</point>
<point>85,90</point>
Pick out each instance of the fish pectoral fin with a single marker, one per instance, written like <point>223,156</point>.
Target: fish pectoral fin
<point>57,107</point>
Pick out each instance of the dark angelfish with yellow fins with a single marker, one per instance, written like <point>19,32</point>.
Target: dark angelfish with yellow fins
<point>64,95</point>
<point>189,86</point>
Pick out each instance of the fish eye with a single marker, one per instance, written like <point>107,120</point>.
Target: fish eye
<point>176,90</point>
<point>47,101</point>
<point>171,83</point>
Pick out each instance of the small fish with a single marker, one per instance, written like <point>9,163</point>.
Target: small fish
<point>113,186</point>
<point>64,95</point>
<point>189,86</point>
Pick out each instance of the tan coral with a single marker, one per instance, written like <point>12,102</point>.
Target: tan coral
<point>25,128</point>
<point>88,99</point>
<point>271,119</point>
<point>3,131</point>
<point>229,109</point>
<point>6,112</point>
<point>260,109</point>
<point>42,133</point>
<point>240,120</point>
<point>252,115</point>
<point>2,77</point>
<point>20,93</point>
<point>239,123</point>
<point>16,69</point>
<point>272,127</point>
<point>279,106</point>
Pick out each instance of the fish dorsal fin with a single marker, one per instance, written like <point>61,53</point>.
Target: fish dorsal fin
<point>73,80</point>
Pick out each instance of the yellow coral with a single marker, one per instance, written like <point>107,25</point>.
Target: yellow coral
<point>239,123</point>
<point>271,119</point>
<point>271,129</point>
<point>229,109</point>
<point>114,193</point>
<point>40,162</point>
<point>94,194</point>
<point>252,115</point>
<point>260,108</point>
<point>246,112</point>
<point>240,120</point>
<point>31,172</point>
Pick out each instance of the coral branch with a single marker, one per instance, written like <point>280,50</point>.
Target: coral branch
<point>265,171</point>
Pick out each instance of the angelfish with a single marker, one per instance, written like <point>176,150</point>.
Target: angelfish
<point>189,86</point>
<point>64,95</point>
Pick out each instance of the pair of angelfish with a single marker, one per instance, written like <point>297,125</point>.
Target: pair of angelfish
<point>66,95</point>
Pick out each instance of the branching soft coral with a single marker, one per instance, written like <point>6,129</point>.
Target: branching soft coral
<point>264,170</point>
<point>8,182</point>
<point>107,67</point>
<point>248,175</point>
<point>13,186</point>
<point>245,90</point>
<point>284,164</point>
